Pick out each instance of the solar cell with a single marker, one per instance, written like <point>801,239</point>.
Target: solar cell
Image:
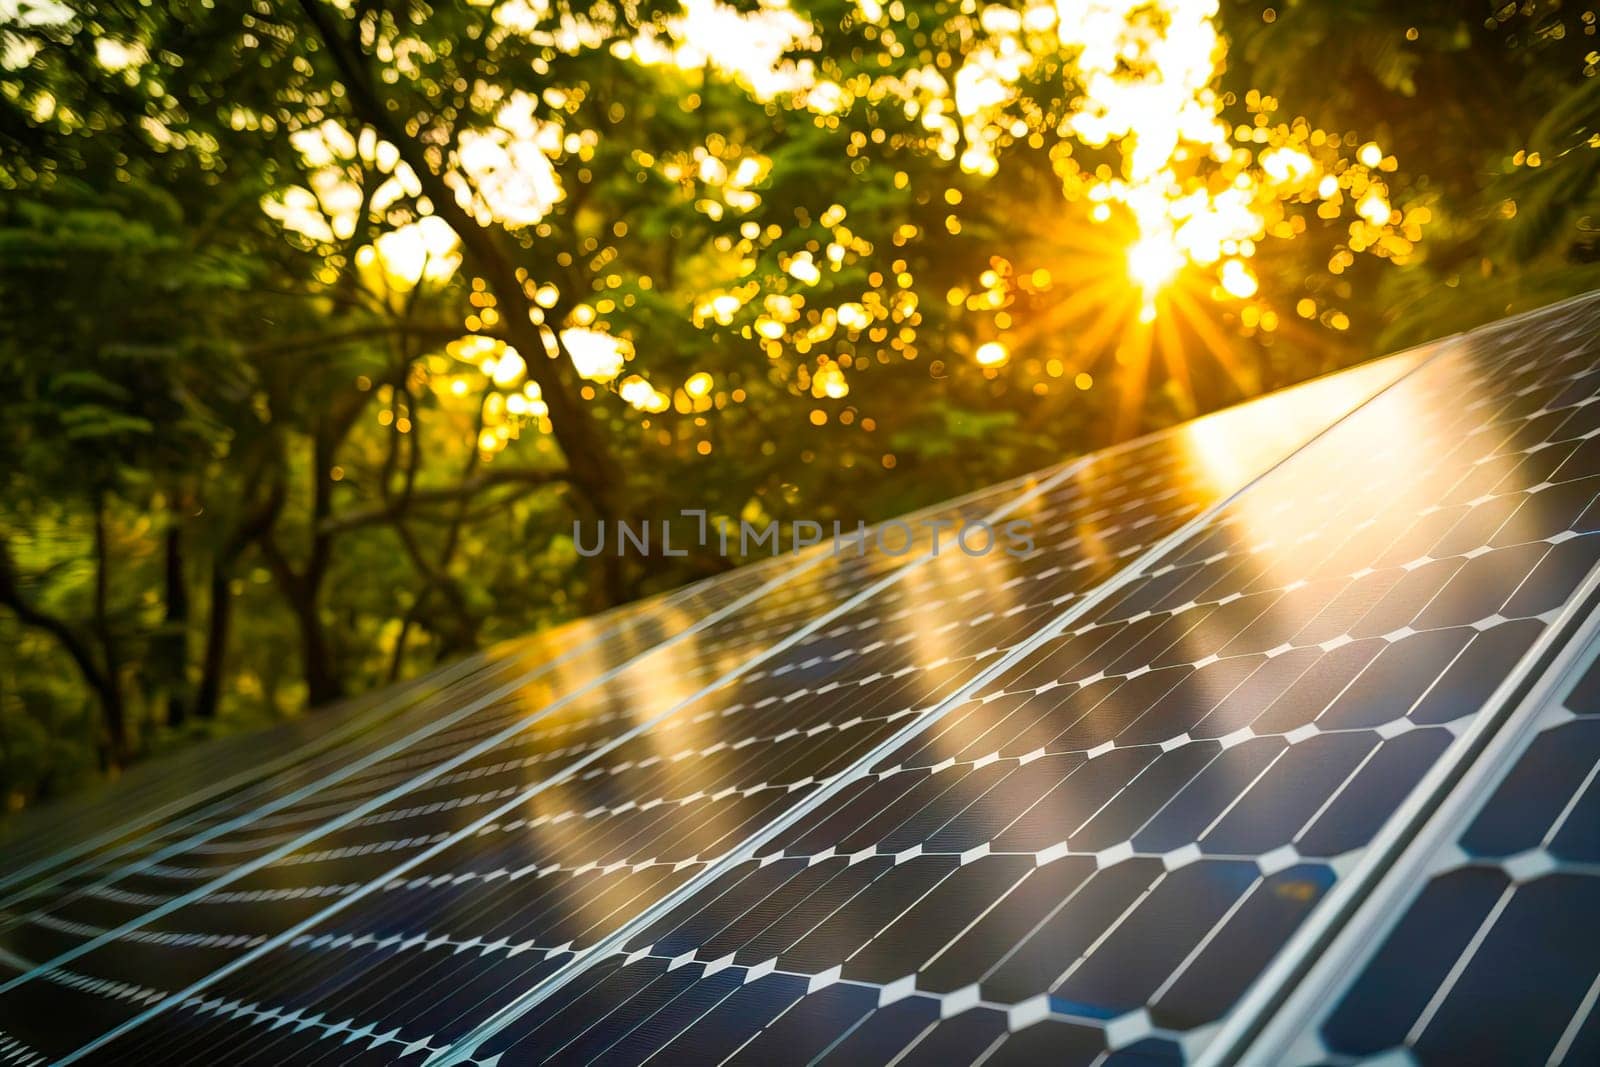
<point>526,870</point>
<point>1102,849</point>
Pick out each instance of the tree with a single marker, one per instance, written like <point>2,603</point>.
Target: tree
<point>334,317</point>
<point>1511,188</point>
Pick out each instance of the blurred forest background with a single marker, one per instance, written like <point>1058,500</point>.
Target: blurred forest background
<point>322,320</point>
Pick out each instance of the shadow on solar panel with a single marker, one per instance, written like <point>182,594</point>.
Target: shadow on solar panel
<point>1127,797</point>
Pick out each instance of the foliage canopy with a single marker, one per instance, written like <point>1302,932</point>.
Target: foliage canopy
<point>324,320</point>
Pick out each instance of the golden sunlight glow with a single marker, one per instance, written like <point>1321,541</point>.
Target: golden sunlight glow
<point>803,269</point>
<point>508,174</point>
<point>329,209</point>
<point>853,316</point>
<point>642,395</point>
<point>1198,191</point>
<point>1201,178</point>
<point>1185,179</point>
<point>829,381</point>
<point>1373,207</point>
<point>1237,279</point>
<point>508,369</point>
<point>1148,86</point>
<point>748,44</point>
<point>992,354</point>
<point>1153,261</point>
<point>597,356</point>
<point>1231,446</point>
<point>1389,432</point>
<point>115,55</point>
<point>1286,165</point>
<point>425,250</point>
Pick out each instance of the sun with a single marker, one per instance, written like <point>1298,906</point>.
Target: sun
<point>1154,260</point>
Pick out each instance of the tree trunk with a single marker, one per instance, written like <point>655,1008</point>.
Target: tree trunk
<point>173,648</point>
<point>323,685</point>
<point>111,701</point>
<point>76,647</point>
<point>255,526</point>
<point>219,624</point>
<point>302,591</point>
<point>593,471</point>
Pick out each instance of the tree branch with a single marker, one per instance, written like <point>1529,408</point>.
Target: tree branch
<point>426,332</point>
<point>11,597</point>
<point>593,470</point>
<point>442,495</point>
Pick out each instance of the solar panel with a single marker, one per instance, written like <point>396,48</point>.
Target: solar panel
<point>441,822</point>
<point>1485,945</point>
<point>170,786</point>
<point>202,789</point>
<point>231,849</point>
<point>1108,798</point>
<point>1102,848</point>
<point>474,725</point>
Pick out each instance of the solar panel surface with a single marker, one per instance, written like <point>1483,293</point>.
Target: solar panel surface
<point>1105,845</point>
<point>791,730</point>
<point>563,717</point>
<point>1090,804</point>
<point>1480,945</point>
<point>1497,958</point>
<point>211,783</point>
<point>581,649</point>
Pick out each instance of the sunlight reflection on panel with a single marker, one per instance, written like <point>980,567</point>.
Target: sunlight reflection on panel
<point>1225,445</point>
<point>1218,456</point>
